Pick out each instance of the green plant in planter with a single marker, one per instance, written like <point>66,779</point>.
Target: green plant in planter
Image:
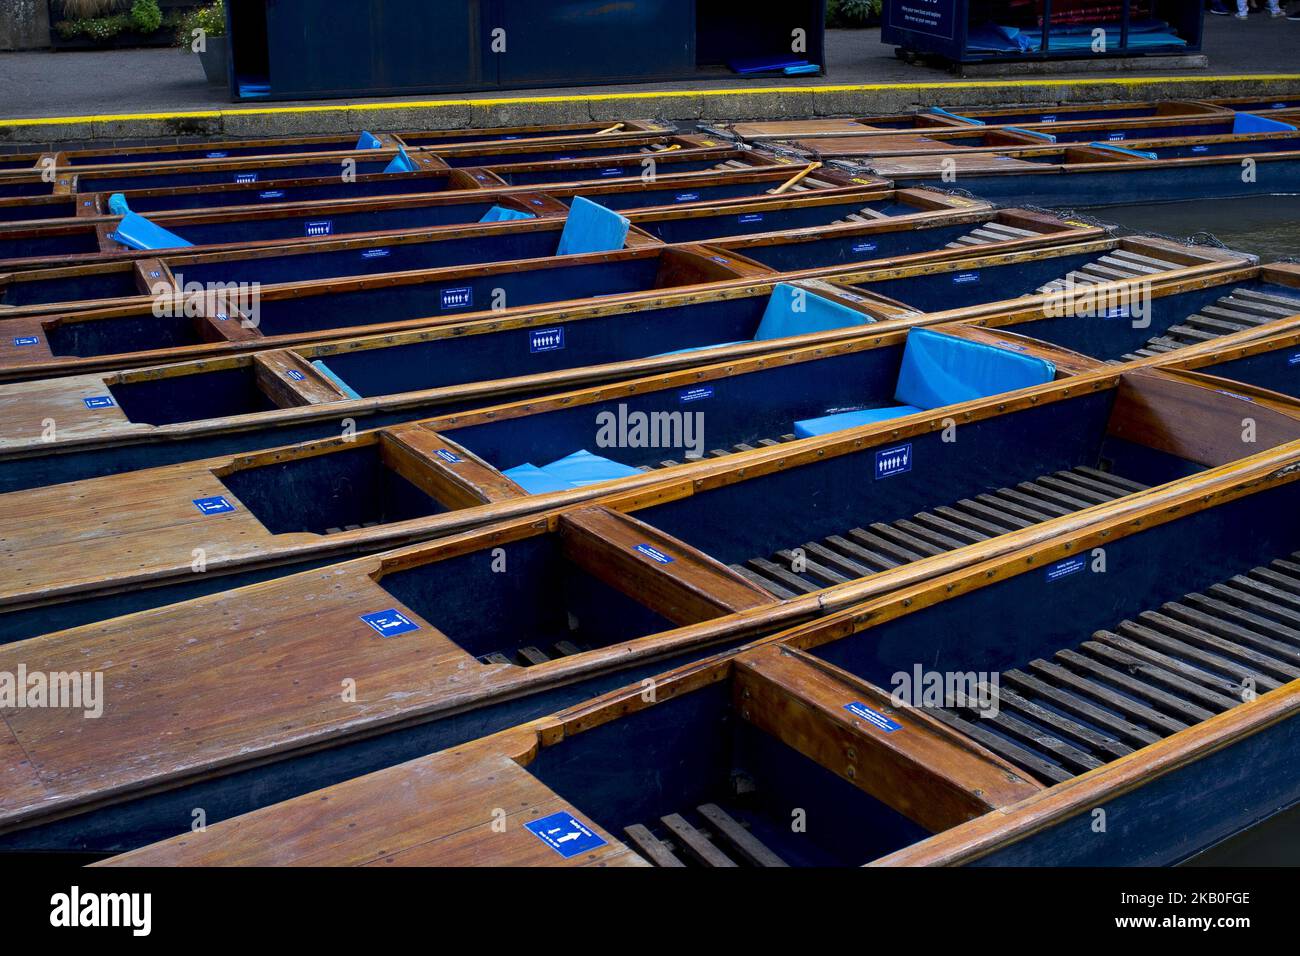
<point>210,19</point>
<point>851,13</point>
<point>146,16</point>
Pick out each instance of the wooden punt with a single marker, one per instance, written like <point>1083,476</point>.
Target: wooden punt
<point>329,144</point>
<point>859,215</point>
<point>88,239</point>
<point>134,334</point>
<point>1095,675</point>
<point>29,198</point>
<point>119,177</point>
<point>1000,139</point>
<point>1198,167</point>
<point>130,336</point>
<point>517,620</point>
<point>1145,326</point>
<point>941,120</point>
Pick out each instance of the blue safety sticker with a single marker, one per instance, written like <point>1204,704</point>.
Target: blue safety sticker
<point>1237,395</point>
<point>873,717</point>
<point>894,461</point>
<point>449,456</point>
<point>1065,568</point>
<point>1047,118</point>
<point>319,227</point>
<point>686,197</point>
<point>965,278</point>
<point>376,253</point>
<point>245,177</point>
<point>389,623</point>
<point>217,505</point>
<point>271,194</point>
<point>612,171</point>
<point>98,401</point>
<point>1115,136</point>
<point>695,394</point>
<point>457,298</point>
<point>1116,312</point>
<point>565,834</point>
<point>865,247</point>
<point>1293,359</point>
<point>1200,149</point>
<point>217,154</point>
<point>546,340</point>
<point>654,554</point>
<point>26,340</point>
<point>295,375</point>
<point>750,217</point>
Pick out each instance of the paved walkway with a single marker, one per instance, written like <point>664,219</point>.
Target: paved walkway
<point>153,86</point>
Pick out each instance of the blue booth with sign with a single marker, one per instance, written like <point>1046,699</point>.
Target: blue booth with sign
<point>974,31</point>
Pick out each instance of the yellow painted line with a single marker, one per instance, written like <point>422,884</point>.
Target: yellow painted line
<point>1125,81</point>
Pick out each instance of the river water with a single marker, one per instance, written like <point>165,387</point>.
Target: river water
<point>1268,226</point>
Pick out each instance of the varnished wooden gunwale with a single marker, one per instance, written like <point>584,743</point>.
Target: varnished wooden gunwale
<point>319,836</point>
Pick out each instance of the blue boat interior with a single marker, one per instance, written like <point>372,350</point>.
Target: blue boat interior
<point>743,410</point>
<point>786,255</point>
<point>1115,328</point>
<point>725,223</point>
<point>106,182</point>
<point>259,193</point>
<point>218,150</point>
<point>357,486</point>
<point>961,288</point>
<point>543,598</point>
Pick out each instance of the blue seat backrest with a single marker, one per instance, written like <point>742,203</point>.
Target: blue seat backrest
<point>117,205</point>
<point>402,163</point>
<point>368,140</point>
<point>591,227</point>
<point>940,369</point>
<point>502,214</point>
<point>794,311</point>
<point>1250,123</point>
<point>139,233</point>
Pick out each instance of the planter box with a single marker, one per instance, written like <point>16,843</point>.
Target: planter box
<point>216,65</point>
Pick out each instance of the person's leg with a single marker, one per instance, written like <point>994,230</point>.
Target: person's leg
<point>1243,11</point>
<point>1218,9</point>
<point>1274,10</point>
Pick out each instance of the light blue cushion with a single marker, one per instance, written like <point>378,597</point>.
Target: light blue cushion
<point>780,318</point>
<point>117,205</point>
<point>940,111</point>
<point>590,227</point>
<point>343,386</point>
<point>402,163</point>
<point>1139,153</point>
<point>1250,123</point>
<point>535,481</point>
<point>701,348</point>
<point>940,369</point>
<point>502,214</point>
<point>368,140</point>
<point>139,233</point>
<point>842,420</point>
<point>582,468</point>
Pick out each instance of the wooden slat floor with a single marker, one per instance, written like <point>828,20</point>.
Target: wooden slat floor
<point>1148,677</point>
<point>864,551</point>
